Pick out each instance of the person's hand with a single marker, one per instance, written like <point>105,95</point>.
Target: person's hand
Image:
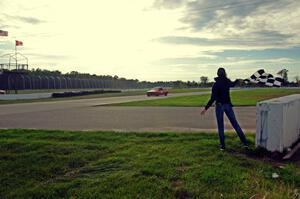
<point>203,111</point>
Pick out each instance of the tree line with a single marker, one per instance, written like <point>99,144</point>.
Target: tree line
<point>121,82</point>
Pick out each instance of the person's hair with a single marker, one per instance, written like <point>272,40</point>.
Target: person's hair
<point>221,72</point>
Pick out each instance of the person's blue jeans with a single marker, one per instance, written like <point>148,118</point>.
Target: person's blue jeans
<point>220,109</point>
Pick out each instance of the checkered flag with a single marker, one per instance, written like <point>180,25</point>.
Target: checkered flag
<point>261,77</point>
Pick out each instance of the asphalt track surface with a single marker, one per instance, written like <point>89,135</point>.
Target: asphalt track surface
<point>88,115</point>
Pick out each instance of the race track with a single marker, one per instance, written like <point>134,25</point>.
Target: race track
<point>86,114</point>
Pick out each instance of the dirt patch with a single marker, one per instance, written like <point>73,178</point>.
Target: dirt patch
<point>275,158</point>
<point>182,168</point>
<point>296,158</point>
<point>177,184</point>
<point>183,194</point>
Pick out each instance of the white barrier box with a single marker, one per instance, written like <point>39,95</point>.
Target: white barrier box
<point>278,123</point>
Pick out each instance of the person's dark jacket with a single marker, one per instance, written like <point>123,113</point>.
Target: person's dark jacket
<point>220,91</point>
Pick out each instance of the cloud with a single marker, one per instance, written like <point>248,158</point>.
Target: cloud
<point>29,20</point>
<point>215,60</point>
<point>257,40</point>
<point>261,24</point>
<point>200,13</point>
<point>267,61</point>
<point>168,4</point>
<point>3,26</point>
<point>47,56</point>
<point>292,53</point>
<point>187,60</point>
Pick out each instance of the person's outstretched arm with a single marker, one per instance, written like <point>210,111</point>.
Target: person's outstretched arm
<point>211,100</point>
<point>232,84</point>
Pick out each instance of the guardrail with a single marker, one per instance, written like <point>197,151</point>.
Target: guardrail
<point>54,95</point>
<point>25,96</point>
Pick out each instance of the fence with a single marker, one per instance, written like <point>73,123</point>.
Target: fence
<point>22,81</point>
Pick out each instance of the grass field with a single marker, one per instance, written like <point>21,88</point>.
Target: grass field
<point>244,97</point>
<point>188,90</point>
<point>57,164</point>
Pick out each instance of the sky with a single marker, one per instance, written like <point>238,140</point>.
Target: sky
<point>155,40</point>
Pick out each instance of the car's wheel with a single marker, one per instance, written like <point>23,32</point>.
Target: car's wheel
<point>166,94</point>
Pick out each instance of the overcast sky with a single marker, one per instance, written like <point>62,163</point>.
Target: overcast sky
<point>155,39</point>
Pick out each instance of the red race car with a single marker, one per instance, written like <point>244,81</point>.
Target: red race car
<point>157,91</point>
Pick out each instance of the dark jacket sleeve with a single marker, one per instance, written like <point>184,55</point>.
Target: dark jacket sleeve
<point>213,96</point>
<point>232,84</point>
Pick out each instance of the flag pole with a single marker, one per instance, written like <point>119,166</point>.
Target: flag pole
<point>16,55</point>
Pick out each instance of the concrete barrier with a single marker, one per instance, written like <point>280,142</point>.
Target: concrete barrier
<point>278,123</point>
<point>25,96</point>
<point>81,93</point>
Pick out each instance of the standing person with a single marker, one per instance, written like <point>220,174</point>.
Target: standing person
<point>221,94</point>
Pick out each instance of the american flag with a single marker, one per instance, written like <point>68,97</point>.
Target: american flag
<point>3,33</point>
<point>19,43</point>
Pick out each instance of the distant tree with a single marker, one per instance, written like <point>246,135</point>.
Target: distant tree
<point>240,83</point>
<point>194,84</point>
<point>284,74</point>
<point>56,72</point>
<point>203,80</point>
<point>74,73</point>
<point>297,80</point>
<point>179,84</point>
<point>189,84</point>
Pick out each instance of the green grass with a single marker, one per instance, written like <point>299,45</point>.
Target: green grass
<point>244,97</point>
<point>188,90</point>
<point>59,164</point>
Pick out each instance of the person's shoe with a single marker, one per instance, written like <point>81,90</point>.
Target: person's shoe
<point>246,146</point>
<point>222,148</point>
